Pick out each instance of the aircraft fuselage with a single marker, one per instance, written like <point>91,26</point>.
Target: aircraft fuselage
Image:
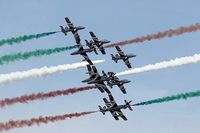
<point>124,57</point>
<point>115,108</point>
<point>121,81</point>
<point>99,80</point>
<point>82,51</point>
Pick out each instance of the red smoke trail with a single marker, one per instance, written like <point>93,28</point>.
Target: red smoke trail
<point>159,35</point>
<point>42,96</point>
<point>30,122</point>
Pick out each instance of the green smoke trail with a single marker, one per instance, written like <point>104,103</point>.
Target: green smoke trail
<point>24,38</point>
<point>37,53</point>
<point>181,96</point>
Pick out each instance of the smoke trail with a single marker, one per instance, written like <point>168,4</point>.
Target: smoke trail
<point>37,53</point>
<point>165,64</point>
<point>159,35</point>
<point>42,96</point>
<point>44,71</point>
<point>171,98</point>
<point>24,38</point>
<point>37,121</point>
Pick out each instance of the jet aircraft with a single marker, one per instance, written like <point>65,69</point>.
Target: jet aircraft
<point>91,46</point>
<point>122,56</point>
<point>73,29</point>
<point>83,52</point>
<point>94,76</point>
<point>114,80</point>
<point>98,43</point>
<point>114,109</point>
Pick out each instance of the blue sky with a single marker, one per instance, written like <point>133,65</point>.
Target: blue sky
<point>115,21</point>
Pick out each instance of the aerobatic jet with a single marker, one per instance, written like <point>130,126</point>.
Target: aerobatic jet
<point>115,109</point>
<point>98,78</point>
<point>122,56</point>
<point>83,52</point>
<point>91,46</point>
<point>94,75</point>
<point>72,28</point>
<point>98,43</point>
<point>114,80</point>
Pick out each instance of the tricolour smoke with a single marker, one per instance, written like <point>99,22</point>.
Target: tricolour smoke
<point>40,72</point>
<point>171,98</point>
<point>165,64</point>
<point>42,96</point>
<point>36,53</point>
<point>24,38</point>
<point>41,120</point>
<point>159,35</point>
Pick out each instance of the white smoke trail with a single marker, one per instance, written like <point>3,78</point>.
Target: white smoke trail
<point>165,64</point>
<point>44,71</point>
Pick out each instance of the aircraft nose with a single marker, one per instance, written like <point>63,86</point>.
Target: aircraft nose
<point>127,81</point>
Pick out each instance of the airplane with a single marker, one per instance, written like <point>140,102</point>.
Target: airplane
<point>95,76</point>
<point>122,56</point>
<point>91,46</point>
<point>114,80</point>
<point>115,109</point>
<point>99,78</point>
<point>92,71</point>
<point>83,52</point>
<point>72,28</point>
<point>98,43</point>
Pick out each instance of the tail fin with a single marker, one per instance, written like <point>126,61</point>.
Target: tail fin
<point>113,58</point>
<point>91,46</point>
<point>63,30</point>
<point>87,43</point>
<point>101,110</point>
<point>104,74</point>
<point>128,104</point>
<point>95,50</point>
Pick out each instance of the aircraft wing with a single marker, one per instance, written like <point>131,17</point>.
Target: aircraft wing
<point>100,88</point>
<point>112,100</point>
<point>103,87</point>
<point>92,34</point>
<point>94,37</point>
<point>94,69</point>
<point>67,20</point>
<point>89,70</point>
<point>69,23</point>
<point>107,102</point>
<point>80,49</point>
<point>78,44</point>
<point>119,112</point>
<point>77,37</point>
<point>101,48</point>
<point>128,64</point>
<point>86,58</point>
<point>121,53</point>
<point>115,115</point>
<point>121,86</point>
<point>118,48</point>
<point>96,77</point>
